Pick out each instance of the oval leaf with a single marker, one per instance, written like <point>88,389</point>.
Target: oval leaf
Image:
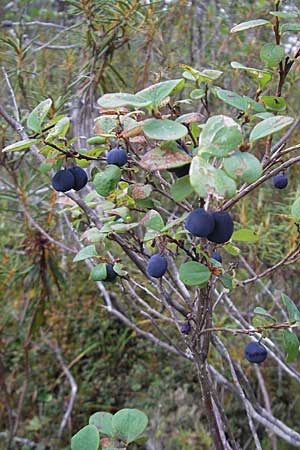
<point>193,273</point>
<point>164,129</point>
<point>273,103</point>
<point>156,93</point>
<point>261,76</point>
<point>129,423</point>
<point>38,115</point>
<point>119,99</point>
<point>293,311</point>
<point>167,156</point>
<point>233,99</point>
<point>291,345</point>
<point>60,129</point>
<point>20,145</point>
<point>250,24</point>
<point>243,165</point>
<point>181,189</point>
<point>244,235</point>
<point>272,54</point>
<point>270,126</point>
<point>103,422</point>
<point>86,439</point>
<point>106,182</point>
<point>99,273</point>
<point>85,253</point>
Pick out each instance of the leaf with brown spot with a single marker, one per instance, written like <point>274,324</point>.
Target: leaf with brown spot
<point>167,156</point>
<point>140,191</point>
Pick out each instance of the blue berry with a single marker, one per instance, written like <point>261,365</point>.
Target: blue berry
<point>117,156</point>
<point>200,223</point>
<point>255,352</point>
<point>63,180</point>
<point>157,266</point>
<point>280,181</point>
<point>223,228</point>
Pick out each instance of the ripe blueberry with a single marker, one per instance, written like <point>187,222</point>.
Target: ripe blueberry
<point>111,274</point>
<point>280,181</point>
<point>255,352</point>
<point>186,328</point>
<point>223,229</point>
<point>157,266</point>
<point>181,171</point>
<point>217,257</point>
<point>80,177</point>
<point>117,156</point>
<point>63,180</point>
<point>200,223</point>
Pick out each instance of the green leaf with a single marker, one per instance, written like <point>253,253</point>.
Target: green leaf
<point>225,185</point>
<point>96,140</point>
<point>227,281</point>
<point>38,115</point>
<point>166,156</point>
<point>156,93</point>
<point>20,145</point>
<point>106,124</point>
<point>206,179</point>
<point>220,135</point>
<point>129,423</point>
<point>197,94</point>
<point>291,345</point>
<point>60,129</point>
<point>285,15</point>
<point>253,105</point>
<point>206,75</point>
<point>232,99</point>
<point>293,312</point>
<point>270,126</point>
<point>231,249</point>
<point>123,227</point>
<point>106,182</point>
<point>250,24</point>
<point>164,129</point>
<point>93,235</point>
<point>295,210</point>
<point>86,439</point>
<point>243,165</point>
<point>202,177</point>
<point>189,118</point>
<point>244,235</point>
<point>181,189</point>
<point>294,27</point>
<point>153,220</point>
<point>98,273</point>
<point>272,54</point>
<point>119,99</point>
<point>262,77</point>
<point>264,115</point>
<point>214,128</point>
<point>273,103</point>
<point>262,312</point>
<point>85,253</point>
<point>260,321</point>
<point>118,268</point>
<point>193,273</point>
<point>103,422</point>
